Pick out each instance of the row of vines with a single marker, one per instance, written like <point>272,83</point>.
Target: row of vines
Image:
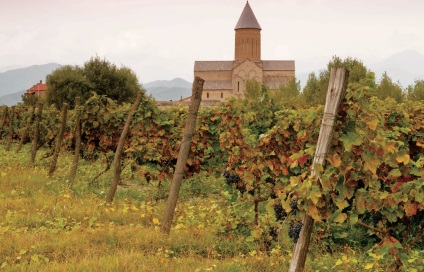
<point>373,178</point>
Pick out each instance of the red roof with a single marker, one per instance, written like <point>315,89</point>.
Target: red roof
<point>37,87</point>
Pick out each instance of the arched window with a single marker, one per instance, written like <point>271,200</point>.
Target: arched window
<point>207,95</point>
<point>222,95</point>
<point>238,86</point>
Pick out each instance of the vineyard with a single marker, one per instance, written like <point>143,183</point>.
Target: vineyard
<point>247,183</point>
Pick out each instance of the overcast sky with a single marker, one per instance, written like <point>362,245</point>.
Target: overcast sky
<point>161,39</point>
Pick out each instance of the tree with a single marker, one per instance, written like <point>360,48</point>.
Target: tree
<point>66,83</point>
<point>315,89</point>
<point>416,92</point>
<point>119,84</point>
<point>387,88</point>
<point>288,94</point>
<point>96,75</point>
<point>253,89</point>
<point>30,100</point>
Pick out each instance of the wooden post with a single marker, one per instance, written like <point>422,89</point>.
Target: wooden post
<point>36,132</point>
<point>3,121</point>
<point>196,98</point>
<point>335,94</point>
<point>25,132</point>
<point>59,139</point>
<point>119,149</point>
<point>74,166</point>
<point>10,132</point>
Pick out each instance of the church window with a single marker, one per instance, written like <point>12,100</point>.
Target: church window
<point>222,95</point>
<point>207,95</point>
<point>238,86</point>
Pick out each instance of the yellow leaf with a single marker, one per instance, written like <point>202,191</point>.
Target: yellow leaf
<point>340,218</point>
<point>142,215</point>
<point>335,160</point>
<point>420,144</point>
<point>155,221</point>
<point>372,164</point>
<point>403,159</point>
<point>161,132</point>
<point>66,196</point>
<point>369,266</point>
<point>372,124</point>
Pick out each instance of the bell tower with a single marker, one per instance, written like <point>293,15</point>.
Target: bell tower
<point>248,36</point>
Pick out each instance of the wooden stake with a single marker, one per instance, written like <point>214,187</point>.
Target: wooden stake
<point>74,166</point>
<point>36,132</point>
<point>196,98</point>
<point>10,132</point>
<point>25,132</point>
<point>59,139</point>
<point>3,121</point>
<point>335,94</point>
<point>119,149</point>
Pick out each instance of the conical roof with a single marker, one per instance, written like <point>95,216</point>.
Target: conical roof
<point>247,19</point>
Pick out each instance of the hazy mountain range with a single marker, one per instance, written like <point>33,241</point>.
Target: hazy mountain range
<point>404,67</point>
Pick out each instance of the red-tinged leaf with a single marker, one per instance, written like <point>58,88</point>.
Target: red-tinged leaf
<point>314,213</point>
<point>390,147</point>
<point>411,208</point>
<point>302,160</point>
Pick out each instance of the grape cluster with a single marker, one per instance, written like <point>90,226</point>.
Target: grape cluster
<point>231,179</point>
<point>280,213</point>
<point>270,180</point>
<point>293,205</point>
<point>236,180</point>
<point>294,230</point>
<point>273,232</point>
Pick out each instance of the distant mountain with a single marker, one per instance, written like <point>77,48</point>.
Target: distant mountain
<point>10,67</point>
<point>16,80</point>
<point>404,67</point>
<point>11,99</point>
<point>165,90</point>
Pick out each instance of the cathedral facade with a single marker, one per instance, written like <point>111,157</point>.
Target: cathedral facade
<point>225,79</point>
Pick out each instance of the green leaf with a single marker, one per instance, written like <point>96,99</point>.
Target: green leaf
<point>395,173</point>
<point>350,139</point>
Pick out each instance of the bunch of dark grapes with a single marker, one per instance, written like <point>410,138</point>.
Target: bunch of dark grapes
<point>418,219</point>
<point>294,230</point>
<point>231,179</point>
<point>236,180</point>
<point>376,217</point>
<point>273,232</point>
<point>293,205</point>
<point>273,195</point>
<point>280,213</point>
<point>270,180</point>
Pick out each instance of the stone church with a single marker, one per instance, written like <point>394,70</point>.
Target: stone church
<point>224,79</point>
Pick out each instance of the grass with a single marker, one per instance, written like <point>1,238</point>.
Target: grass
<point>45,226</point>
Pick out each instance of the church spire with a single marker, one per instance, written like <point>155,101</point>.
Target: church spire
<point>247,19</point>
<point>248,36</point>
